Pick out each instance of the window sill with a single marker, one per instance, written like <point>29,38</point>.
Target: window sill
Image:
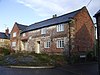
<point>59,31</point>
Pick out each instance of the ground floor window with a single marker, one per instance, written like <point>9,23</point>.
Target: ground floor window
<point>60,43</point>
<point>13,44</point>
<point>47,44</point>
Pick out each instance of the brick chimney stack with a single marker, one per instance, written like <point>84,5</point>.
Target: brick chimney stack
<point>7,31</point>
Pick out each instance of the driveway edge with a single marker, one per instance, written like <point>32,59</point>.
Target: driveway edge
<point>33,67</point>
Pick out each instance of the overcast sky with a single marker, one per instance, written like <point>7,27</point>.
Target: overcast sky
<point>30,11</point>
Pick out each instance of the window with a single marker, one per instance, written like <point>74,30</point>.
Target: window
<point>30,37</point>
<point>43,31</point>
<point>60,44</point>
<point>47,44</point>
<point>1,40</point>
<point>60,27</point>
<point>14,34</point>
<point>13,44</point>
<point>24,34</point>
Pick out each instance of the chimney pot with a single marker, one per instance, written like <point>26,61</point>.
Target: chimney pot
<point>7,31</point>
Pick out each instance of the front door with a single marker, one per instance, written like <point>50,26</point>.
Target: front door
<point>38,47</point>
<point>26,46</point>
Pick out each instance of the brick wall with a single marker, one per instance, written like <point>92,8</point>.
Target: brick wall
<point>15,39</point>
<point>51,34</point>
<point>84,31</point>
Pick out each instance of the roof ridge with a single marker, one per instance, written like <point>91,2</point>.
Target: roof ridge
<point>57,16</point>
<point>53,21</point>
<point>2,32</point>
<point>20,24</point>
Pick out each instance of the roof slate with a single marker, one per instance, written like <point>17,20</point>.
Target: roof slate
<point>21,27</point>
<point>51,21</point>
<point>4,36</point>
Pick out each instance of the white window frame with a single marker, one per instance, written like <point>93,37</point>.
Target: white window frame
<point>43,31</point>
<point>30,37</point>
<point>47,44</point>
<point>60,43</point>
<point>13,44</point>
<point>1,40</point>
<point>60,27</point>
<point>14,34</point>
<point>24,34</point>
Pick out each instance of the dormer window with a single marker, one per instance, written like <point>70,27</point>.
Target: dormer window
<point>14,34</point>
<point>60,27</point>
<point>43,31</point>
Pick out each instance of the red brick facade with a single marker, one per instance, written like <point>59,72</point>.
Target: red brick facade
<point>16,38</point>
<point>84,31</point>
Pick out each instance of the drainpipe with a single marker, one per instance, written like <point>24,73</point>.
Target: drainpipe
<point>97,16</point>
<point>69,42</point>
<point>98,39</point>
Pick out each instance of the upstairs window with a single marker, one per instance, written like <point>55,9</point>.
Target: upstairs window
<point>24,34</point>
<point>13,44</point>
<point>43,31</point>
<point>1,40</point>
<point>60,27</point>
<point>14,34</point>
<point>60,44</point>
<point>47,44</point>
<point>30,37</point>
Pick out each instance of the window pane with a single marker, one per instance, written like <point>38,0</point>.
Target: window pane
<point>13,44</point>
<point>60,27</point>
<point>24,34</point>
<point>14,34</point>
<point>43,31</point>
<point>47,44</point>
<point>60,43</point>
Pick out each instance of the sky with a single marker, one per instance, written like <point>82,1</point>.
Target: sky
<point>27,12</point>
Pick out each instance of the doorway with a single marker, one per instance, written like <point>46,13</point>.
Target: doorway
<point>38,47</point>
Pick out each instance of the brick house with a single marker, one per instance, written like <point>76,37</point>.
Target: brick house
<point>15,36</point>
<point>5,38</point>
<point>73,31</point>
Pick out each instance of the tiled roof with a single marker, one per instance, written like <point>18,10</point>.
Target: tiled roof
<point>52,21</point>
<point>20,26</point>
<point>4,36</point>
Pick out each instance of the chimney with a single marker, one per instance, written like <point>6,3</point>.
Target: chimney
<point>7,31</point>
<point>54,15</point>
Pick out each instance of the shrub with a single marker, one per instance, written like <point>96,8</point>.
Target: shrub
<point>6,51</point>
<point>90,56</point>
<point>74,58</point>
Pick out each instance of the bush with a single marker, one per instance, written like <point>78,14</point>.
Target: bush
<point>74,58</point>
<point>90,56</point>
<point>6,51</point>
<point>31,59</point>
